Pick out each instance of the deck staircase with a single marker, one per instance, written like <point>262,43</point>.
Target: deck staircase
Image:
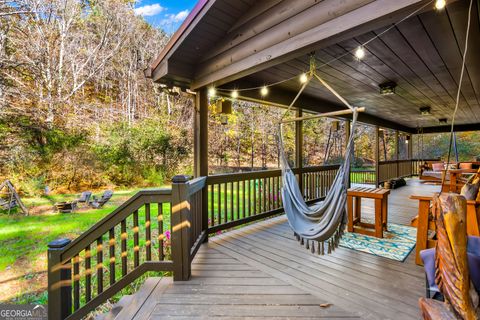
<point>128,307</point>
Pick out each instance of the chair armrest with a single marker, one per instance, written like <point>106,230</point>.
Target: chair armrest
<point>424,198</point>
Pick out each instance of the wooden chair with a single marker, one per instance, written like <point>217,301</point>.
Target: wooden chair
<point>98,203</point>
<point>456,182</point>
<point>426,225</point>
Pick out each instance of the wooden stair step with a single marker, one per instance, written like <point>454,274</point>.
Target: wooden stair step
<point>128,306</point>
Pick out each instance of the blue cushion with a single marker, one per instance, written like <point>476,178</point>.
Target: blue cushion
<point>473,256</point>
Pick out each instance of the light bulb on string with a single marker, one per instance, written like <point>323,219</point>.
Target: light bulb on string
<point>264,91</point>
<point>234,94</point>
<point>212,92</point>
<point>440,4</point>
<point>360,53</point>
<point>303,78</point>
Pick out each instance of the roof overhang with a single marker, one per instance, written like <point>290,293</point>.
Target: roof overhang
<point>227,44</point>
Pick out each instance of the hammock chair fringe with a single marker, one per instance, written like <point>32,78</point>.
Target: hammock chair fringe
<point>332,243</point>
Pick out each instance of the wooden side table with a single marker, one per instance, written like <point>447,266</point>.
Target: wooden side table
<point>380,197</point>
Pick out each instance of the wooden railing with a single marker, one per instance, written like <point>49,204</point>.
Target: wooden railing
<point>362,176</point>
<point>239,198</point>
<point>399,168</point>
<point>155,230</point>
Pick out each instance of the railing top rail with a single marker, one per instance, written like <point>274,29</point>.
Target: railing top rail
<point>239,176</point>
<point>316,168</point>
<point>196,184</point>
<point>406,160</point>
<point>115,217</point>
<point>259,174</point>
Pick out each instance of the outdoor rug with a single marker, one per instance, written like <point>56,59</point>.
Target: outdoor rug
<point>396,244</point>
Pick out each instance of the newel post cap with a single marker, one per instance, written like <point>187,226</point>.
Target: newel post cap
<point>181,178</point>
<point>59,243</point>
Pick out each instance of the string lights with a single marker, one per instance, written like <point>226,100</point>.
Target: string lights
<point>303,78</point>
<point>440,4</point>
<point>212,92</point>
<point>264,91</point>
<point>359,53</point>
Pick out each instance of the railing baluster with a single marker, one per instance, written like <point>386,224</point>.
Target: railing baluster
<point>76,282</point>
<point>111,247</point>
<point>88,274</point>
<point>238,200</point>
<point>264,196</point>
<point>231,201</point>
<point>123,239</point>
<point>161,255</point>
<point>212,205</point>
<point>225,203</point>
<point>219,204</point>
<point>250,197</point>
<point>136,246</point>
<point>243,198</point>
<point>99,265</point>
<point>255,190</point>
<point>275,193</point>
<point>148,233</point>
<point>271,190</point>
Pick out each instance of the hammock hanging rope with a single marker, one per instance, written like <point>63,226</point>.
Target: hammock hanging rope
<point>324,221</point>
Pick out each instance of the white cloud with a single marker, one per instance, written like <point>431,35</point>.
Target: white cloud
<point>149,10</point>
<point>175,18</point>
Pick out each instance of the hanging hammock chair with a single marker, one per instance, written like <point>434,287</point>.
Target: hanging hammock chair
<point>324,221</point>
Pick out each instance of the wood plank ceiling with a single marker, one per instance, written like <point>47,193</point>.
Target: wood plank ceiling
<point>422,55</point>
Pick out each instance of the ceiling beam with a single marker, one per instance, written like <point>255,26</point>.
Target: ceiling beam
<point>282,98</point>
<point>456,128</point>
<point>290,40</point>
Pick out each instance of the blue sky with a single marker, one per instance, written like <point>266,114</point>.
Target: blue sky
<point>167,14</point>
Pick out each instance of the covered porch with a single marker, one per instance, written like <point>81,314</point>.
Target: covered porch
<point>223,264</point>
<point>260,271</point>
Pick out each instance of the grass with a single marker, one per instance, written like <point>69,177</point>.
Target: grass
<point>20,235</point>
<point>24,241</point>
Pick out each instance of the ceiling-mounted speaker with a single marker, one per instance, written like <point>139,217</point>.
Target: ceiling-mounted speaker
<point>387,88</point>
<point>425,111</point>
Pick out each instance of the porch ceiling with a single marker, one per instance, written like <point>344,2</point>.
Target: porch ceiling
<point>422,55</point>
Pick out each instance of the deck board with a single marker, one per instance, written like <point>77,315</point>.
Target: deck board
<point>260,271</point>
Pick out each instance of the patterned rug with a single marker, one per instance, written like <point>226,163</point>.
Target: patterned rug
<point>397,242</point>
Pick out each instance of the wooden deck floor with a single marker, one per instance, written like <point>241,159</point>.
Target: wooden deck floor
<point>260,271</point>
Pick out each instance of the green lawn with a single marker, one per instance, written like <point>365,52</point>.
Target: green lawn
<point>28,236</point>
<point>24,242</point>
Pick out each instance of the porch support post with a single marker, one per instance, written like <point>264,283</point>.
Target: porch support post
<point>410,147</point>
<point>377,156</point>
<point>347,136</point>
<point>59,281</point>
<point>299,147</point>
<point>201,133</point>
<point>397,152</point>
<point>180,225</point>
<point>201,148</point>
